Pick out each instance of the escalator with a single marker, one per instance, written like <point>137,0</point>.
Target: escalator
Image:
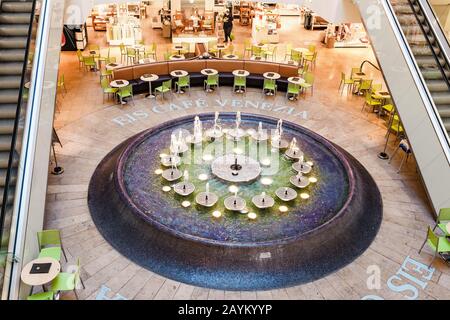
<point>428,54</point>
<point>15,29</point>
<point>414,55</point>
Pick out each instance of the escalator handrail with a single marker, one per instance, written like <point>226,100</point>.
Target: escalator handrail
<point>436,28</point>
<point>430,45</point>
<point>431,109</point>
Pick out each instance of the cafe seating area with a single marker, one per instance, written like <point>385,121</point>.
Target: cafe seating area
<point>46,270</point>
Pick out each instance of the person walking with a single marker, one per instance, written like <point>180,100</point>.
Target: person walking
<point>228,25</point>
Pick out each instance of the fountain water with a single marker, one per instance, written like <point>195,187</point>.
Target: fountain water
<point>207,198</point>
<point>184,188</point>
<point>299,180</point>
<point>277,137</point>
<point>216,131</point>
<point>237,133</point>
<point>259,135</point>
<point>197,137</point>
<point>294,151</point>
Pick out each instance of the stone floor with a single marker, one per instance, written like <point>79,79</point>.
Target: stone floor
<point>89,129</point>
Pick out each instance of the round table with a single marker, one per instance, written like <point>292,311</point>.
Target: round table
<point>271,76</point>
<point>240,73</point>
<point>230,57</point>
<point>113,66</point>
<point>209,72</point>
<point>119,83</point>
<point>177,57</point>
<point>303,51</point>
<point>149,78</point>
<point>178,47</point>
<point>255,58</point>
<point>357,77</point>
<point>295,80</point>
<point>179,74</point>
<point>39,279</point>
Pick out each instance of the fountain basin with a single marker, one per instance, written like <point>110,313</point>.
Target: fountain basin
<point>308,239</point>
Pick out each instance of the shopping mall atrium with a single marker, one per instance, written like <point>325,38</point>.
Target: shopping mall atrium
<point>225,150</point>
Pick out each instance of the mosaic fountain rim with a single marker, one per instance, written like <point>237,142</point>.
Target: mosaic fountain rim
<point>140,138</point>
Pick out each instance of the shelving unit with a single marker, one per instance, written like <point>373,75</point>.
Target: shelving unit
<point>76,37</point>
<point>244,19</point>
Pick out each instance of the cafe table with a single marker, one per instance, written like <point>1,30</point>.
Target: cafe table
<point>295,80</point>
<point>149,78</point>
<point>40,271</point>
<point>112,66</point>
<point>178,47</point>
<point>219,48</point>
<point>120,83</point>
<point>179,74</point>
<point>209,72</point>
<point>230,57</point>
<point>240,73</point>
<point>271,76</point>
<point>177,57</point>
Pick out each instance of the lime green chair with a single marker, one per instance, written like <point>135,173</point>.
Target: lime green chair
<point>302,71</point>
<point>183,83</point>
<point>256,51</point>
<point>65,281</point>
<point>105,74</point>
<point>167,56</point>
<point>345,82</point>
<point>376,87</point>
<point>131,56</point>
<point>89,62</point>
<point>107,89</point>
<point>48,295</point>
<point>296,57</point>
<point>270,52</point>
<point>293,90</point>
<point>111,60</point>
<point>125,92</point>
<point>212,47</point>
<point>396,126</point>
<point>186,48</point>
<point>123,52</point>
<point>151,51</point>
<point>371,102</point>
<point>270,86</point>
<point>442,221</point>
<point>80,59</point>
<point>240,83</point>
<point>311,59</point>
<point>247,47</point>
<point>388,108</point>
<point>354,72</point>
<point>50,244</point>
<point>61,83</point>
<point>440,245</point>
<point>164,88</point>
<point>288,53</point>
<point>312,48</point>
<point>211,81</point>
<point>309,82</point>
<point>103,59</point>
<point>364,85</point>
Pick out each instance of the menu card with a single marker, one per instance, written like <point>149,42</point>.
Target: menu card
<point>178,73</point>
<point>295,79</point>
<point>241,72</point>
<point>209,71</point>
<point>119,82</point>
<point>40,268</point>
<point>270,75</point>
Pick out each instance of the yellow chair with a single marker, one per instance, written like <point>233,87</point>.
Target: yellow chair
<point>345,82</point>
<point>247,46</point>
<point>309,82</point>
<point>311,59</point>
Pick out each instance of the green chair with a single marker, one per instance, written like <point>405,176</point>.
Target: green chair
<point>125,92</point>
<point>440,245</point>
<point>303,71</point>
<point>167,56</point>
<point>105,74</point>
<point>353,72</point>
<point>270,52</point>
<point>50,244</point>
<point>186,47</point>
<point>61,84</point>
<point>312,48</point>
<point>256,51</point>
<point>89,63</point>
<point>107,89</point>
<point>293,90</point>
<point>211,81</point>
<point>240,83</point>
<point>345,82</point>
<point>397,126</point>
<point>151,51</point>
<point>103,59</point>
<point>80,59</point>
<point>182,83</point>
<point>370,101</point>
<point>388,108</point>
<point>247,47</point>
<point>65,281</point>
<point>212,47</point>
<point>442,221</point>
<point>288,53</point>
<point>364,85</point>
<point>309,82</point>
<point>311,59</point>
<point>376,87</point>
<point>48,295</point>
<point>164,88</point>
<point>296,57</point>
<point>131,56</point>
<point>270,85</point>
<point>123,52</point>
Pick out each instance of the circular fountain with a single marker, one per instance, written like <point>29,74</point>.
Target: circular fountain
<point>240,208</point>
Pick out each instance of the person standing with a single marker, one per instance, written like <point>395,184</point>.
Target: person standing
<point>228,25</point>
